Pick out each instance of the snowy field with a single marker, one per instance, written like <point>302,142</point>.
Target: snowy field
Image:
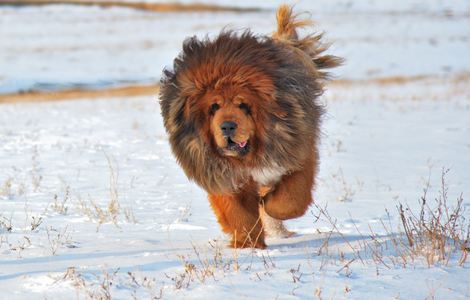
<point>94,206</point>
<point>57,46</point>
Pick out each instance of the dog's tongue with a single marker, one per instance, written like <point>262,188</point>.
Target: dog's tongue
<point>242,144</point>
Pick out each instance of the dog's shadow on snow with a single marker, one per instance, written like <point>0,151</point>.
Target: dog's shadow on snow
<point>334,244</point>
<point>312,240</point>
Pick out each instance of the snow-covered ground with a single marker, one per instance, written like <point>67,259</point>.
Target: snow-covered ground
<point>92,203</point>
<point>61,46</point>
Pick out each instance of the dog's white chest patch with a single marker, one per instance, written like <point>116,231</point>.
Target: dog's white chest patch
<point>265,176</point>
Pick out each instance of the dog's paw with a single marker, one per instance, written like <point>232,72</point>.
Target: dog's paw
<point>274,227</point>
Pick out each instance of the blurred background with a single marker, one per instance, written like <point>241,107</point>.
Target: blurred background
<point>54,45</point>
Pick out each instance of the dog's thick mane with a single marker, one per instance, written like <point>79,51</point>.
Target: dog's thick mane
<point>284,72</point>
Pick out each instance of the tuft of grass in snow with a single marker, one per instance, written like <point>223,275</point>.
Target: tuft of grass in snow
<point>438,229</point>
<point>20,245</point>
<point>203,264</point>
<point>57,238</point>
<point>98,289</point>
<point>5,224</point>
<point>6,188</point>
<point>60,206</point>
<point>35,222</point>
<point>345,189</point>
<point>112,210</point>
<point>436,232</point>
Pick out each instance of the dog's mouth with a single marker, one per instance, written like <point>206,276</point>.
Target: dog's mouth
<point>234,148</point>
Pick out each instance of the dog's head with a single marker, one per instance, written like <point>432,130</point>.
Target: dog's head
<point>231,122</point>
<point>223,91</point>
<point>232,115</point>
<point>238,103</point>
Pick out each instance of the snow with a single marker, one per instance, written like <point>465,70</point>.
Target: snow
<point>60,46</point>
<point>67,166</point>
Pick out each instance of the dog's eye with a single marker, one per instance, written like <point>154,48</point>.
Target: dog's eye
<point>245,107</point>
<point>214,107</point>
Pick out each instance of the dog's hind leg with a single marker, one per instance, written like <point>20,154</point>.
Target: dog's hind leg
<point>273,227</point>
<point>238,216</point>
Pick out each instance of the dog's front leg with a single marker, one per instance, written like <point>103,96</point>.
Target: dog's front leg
<point>238,216</point>
<point>292,195</point>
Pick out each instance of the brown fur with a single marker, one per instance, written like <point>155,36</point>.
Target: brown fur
<point>279,79</point>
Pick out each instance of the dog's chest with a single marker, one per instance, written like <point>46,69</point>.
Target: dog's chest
<point>266,176</point>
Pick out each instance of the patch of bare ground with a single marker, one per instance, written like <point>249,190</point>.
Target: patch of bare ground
<point>74,94</point>
<point>400,80</point>
<point>404,88</point>
<point>461,79</point>
<point>154,7</point>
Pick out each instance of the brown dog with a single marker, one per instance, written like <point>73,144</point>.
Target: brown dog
<point>243,120</point>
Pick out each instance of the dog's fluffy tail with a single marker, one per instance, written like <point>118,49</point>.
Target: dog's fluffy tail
<point>310,45</point>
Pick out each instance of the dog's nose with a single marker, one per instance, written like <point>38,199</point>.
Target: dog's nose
<point>228,128</point>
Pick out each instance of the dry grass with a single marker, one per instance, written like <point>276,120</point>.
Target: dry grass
<point>461,77</point>
<point>60,206</point>
<point>57,239</point>
<point>5,224</point>
<point>20,245</point>
<point>99,289</point>
<point>6,188</point>
<point>153,89</point>
<point>204,263</point>
<point>436,232</point>
<point>438,229</point>
<point>112,210</point>
<point>345,190</point>
<point>74,94</point>
<point>147,6</point>
<point>99,286</point>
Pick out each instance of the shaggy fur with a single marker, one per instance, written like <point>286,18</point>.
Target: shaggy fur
<point>278,80</point>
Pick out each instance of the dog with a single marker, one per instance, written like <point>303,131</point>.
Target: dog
<point>242,114</point>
